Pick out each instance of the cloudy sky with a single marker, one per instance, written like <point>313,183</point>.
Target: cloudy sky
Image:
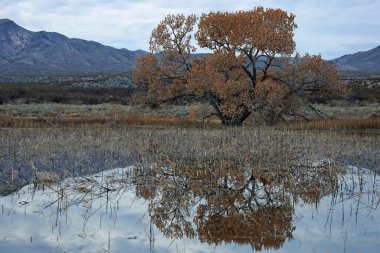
<point>330,27</point>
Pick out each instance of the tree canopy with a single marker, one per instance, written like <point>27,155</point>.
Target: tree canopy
<point>252,67</point>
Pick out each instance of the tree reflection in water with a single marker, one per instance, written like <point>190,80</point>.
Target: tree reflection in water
<point>217,204</point>
<point>230,204</point>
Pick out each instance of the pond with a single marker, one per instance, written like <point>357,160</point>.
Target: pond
<point>304,209</point>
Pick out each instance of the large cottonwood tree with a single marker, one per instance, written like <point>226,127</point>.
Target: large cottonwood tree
<point>249,71</point>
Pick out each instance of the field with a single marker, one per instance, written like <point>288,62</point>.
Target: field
<point>65,103</point>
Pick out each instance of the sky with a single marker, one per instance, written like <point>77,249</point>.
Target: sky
<point>330,27</point>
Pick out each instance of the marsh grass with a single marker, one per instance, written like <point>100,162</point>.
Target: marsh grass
<point>45,177</point>
<point>337,124</point>
<point>118,115</point>
<point>36,115</point>
<point>82,149</point>
<point>71,140</point>
<point>109,120</point>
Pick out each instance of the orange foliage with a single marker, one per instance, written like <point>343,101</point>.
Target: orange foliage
<point>250,69</point>
<point>270,100</point>
<point>265,228</point>
<point>165,76</point>
<point>173,34</point>
<point>258,30</point>
<point>311,74</point>
<point>221,79</point>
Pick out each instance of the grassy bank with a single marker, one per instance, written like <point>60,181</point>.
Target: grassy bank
<point>340,116</point>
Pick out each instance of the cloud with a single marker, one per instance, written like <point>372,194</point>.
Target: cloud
<point>332,28</point>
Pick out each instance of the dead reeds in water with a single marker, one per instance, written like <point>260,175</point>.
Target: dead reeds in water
<point>89,148</point>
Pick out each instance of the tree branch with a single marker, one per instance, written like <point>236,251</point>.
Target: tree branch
<point>319,113</point>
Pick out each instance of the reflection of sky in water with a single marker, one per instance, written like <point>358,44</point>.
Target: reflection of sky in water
<point>348,222</point>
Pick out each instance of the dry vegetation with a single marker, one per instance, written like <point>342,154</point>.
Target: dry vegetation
<point>47,93</point>
<point>86,149</point>
<point>338,124</point>
<point>339,116</point>
<point>22,115</point>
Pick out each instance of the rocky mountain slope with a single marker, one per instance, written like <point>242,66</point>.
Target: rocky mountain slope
<point>40,53</point>
<point>367,61</point>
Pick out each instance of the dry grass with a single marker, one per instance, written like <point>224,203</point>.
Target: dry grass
<point>70,140</point>
<point>341,109</point>
<point>134,119</point>
<point>100,110</point>
<point>69,110</point>
<point>36,115</point>
<point>109,120</point>
<point>86,149</point>
<point>337,124</point>
<point>45,177</point>
<point>358,116</point>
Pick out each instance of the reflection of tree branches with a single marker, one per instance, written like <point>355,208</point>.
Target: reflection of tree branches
<point>265,227</point>
<point>360,188</point>
<point>170,203</point>
<point>254,212</point>
<point>84,191</point>
<point>312,183</point>
<point>231,204</point>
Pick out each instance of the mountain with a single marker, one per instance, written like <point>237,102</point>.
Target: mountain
<point>367,61</point>
<point>23,52</point>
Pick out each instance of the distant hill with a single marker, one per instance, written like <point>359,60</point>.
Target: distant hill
<point>367,61</point>
<point>23,52</point>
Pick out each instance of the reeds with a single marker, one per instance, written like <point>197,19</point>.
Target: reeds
<point>338,124</point>
<point>86,146</point>
<point>133,118</point>
<point>110,119</point>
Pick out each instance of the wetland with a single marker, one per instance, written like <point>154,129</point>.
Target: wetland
<point>97,188</point>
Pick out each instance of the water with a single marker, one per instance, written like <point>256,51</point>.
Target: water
<point>315,209</point>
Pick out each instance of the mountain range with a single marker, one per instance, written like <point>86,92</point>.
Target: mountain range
<point>38,53</point>
<point>23,52</point>
<point>366,61</point>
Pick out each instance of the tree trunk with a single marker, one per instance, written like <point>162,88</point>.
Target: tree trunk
<point>234,121</point>
<point>228,120</point>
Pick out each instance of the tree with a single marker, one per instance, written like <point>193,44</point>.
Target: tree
<point>221,80</point>
<point>249,71</point>
<point>165,75</point>
<point>258,35</point>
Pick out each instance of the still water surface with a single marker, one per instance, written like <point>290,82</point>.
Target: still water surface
<point>167,210</point>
